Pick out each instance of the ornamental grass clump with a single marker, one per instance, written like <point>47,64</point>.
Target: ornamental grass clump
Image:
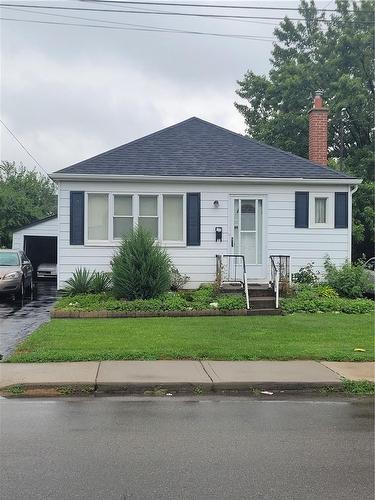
<point>141,269</point>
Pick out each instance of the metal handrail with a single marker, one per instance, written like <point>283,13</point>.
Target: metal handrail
<point>275,278</point>
<point>219,261</point>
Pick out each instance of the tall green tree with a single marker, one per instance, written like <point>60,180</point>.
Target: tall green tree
<point>25,196</point>
<point>335,54</point>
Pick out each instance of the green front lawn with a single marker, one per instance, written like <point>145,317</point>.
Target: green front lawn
<point>301,336</point>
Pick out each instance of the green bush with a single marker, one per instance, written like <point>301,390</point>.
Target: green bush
<point>315,291</point>
<point>178,280</point>
<point>100,282</point>
<point>229,303</point>
<point>350,280</point>
<point>84,281</point>
<point>306,275</point>
<point>170,301</point>
<point>321,304</point>
<point>79,282</point>
<point>141,269</point>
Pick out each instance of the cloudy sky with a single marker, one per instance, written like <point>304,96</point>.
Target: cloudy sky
<point>70,92</point>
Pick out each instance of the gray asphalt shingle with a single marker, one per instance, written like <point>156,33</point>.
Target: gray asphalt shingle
<point>198,148</point>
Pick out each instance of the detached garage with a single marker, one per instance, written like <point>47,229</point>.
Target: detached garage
<point>39,241</point>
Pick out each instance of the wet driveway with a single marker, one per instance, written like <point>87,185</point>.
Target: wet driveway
<point>19,319</point>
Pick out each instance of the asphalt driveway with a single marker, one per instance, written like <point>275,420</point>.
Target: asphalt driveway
<point>19,319</point>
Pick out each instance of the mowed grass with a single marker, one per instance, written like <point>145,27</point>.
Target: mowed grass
<point>299,336</point>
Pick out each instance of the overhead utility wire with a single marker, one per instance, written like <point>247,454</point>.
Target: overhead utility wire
<point>23,147</point>
<point>153,28</point>
<point>114,22</point>
<point>210,5</point>
<point>159,30</point>
<point>168,13</point>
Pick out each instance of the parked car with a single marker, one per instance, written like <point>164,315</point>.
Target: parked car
<point>370,266</point>
<point>16,274</point>
<point>46,271</point>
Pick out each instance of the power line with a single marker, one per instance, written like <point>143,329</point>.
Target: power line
<point>107,21</point>
<point>23,147</point>
<point>165,13</point>
<point>151,29</point>
<point>215,6</point>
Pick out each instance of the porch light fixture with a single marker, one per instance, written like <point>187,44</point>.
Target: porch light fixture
<point>216,203</point>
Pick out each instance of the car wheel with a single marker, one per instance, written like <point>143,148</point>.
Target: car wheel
<point>21,292</point>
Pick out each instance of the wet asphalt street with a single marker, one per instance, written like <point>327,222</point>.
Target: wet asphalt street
<point>187,448</point>
<point>17,320</point>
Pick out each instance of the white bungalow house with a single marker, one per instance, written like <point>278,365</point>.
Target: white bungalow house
<point>204,191</point>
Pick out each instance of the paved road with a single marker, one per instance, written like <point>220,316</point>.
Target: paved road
<point>188,448</point>
<point>17,319</point>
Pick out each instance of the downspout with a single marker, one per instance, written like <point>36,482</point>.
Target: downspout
<point>352,190</point>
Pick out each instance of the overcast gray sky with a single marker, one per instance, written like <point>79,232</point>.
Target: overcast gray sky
<point>71,92</point>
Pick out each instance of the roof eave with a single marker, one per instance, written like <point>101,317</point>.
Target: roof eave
<point>179,178</point>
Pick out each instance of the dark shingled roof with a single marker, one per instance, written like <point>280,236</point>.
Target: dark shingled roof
<point>198,148</point>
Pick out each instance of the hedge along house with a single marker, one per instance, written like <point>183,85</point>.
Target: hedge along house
<point>204,191</point>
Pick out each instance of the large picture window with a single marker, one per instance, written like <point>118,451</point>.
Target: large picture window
<point>111,216</point>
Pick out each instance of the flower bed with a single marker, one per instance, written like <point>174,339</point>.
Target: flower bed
<point>322,298</point>
<point>202,302</point>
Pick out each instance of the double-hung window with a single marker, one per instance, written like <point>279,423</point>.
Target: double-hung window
<point>122,215</point>
<point>148,216</point>
<point>321,210</point>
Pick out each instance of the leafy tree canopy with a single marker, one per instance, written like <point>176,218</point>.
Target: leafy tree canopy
<point>25,196</point>
<point>334,54</point>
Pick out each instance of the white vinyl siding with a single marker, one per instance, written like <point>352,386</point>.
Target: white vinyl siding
<point>198,262</point>
<point>47,228</point>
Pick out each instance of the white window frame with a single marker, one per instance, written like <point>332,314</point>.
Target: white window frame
<point>97,242</point>
<point>111,241</point>
<point>171,243</point>
<point>329,211</point>
<point>112,213</point>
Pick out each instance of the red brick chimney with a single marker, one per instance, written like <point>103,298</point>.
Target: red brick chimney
<point>318,129</point>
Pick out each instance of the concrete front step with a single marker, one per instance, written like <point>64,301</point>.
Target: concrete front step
<point>262,302</point>
<point>260,292</point>
<point>264,312</point>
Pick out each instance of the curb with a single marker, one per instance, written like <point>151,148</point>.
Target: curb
<point>161,389</point>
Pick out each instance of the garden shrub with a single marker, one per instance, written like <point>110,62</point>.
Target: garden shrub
<point>200,299</point>
<point>229,302</point>
<point>141,268</point>
<point>323,298</point>
<point>100,282</point>
<point>306,275</point>
<point>349,280</point>
<point>178,280</point>
<point>84,281</point>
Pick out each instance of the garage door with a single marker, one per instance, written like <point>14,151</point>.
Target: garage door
<point>41,249</point>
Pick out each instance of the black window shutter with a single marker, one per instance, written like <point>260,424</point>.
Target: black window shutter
<point>77,217</point>
<point>193,222</point>
<point>341,210</point>
<point>301,209</point>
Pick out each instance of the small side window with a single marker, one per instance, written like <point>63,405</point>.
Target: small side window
<point>321,208</point>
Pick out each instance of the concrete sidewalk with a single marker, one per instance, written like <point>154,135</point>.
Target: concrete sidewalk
<point>184,375</point>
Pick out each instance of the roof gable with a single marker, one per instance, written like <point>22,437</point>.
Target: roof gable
<point>198,148</point>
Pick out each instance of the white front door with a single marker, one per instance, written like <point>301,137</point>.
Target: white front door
<point>247,236</point>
